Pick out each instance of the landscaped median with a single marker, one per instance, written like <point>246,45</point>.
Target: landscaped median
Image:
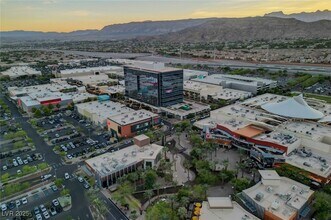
<point>26,170</point>
<point>10,186</point>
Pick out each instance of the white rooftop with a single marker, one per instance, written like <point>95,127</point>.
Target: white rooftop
<point>101,111</point>
<point>218,78</point>
<point>233,212</point>
<point>132,117</point>
<point>269,174</point>
<point>109,163</point>
<point>50,87</point>
<point>295,107</point>
<point>91,69</point>
<point>17,71</point>
<point>215,91</point>
<point>283,200</point>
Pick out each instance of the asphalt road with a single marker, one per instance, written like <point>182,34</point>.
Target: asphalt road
<point>80,203</point>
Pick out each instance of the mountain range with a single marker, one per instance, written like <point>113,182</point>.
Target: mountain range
<point>274,25</point>
<point>303,16</point>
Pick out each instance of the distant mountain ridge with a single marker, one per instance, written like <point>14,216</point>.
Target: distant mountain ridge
<point>303,16</point>
<point>188,30</point>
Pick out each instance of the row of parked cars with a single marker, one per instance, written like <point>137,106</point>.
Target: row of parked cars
<point>13,204</point>
<point>19,161</point>
<point>41,211</point>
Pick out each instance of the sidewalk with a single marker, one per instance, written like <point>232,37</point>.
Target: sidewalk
<point>179,172</point>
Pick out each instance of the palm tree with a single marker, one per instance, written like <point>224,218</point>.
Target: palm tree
<point>182,211</point>
<point>187,164</point>
<point>223,176</point>
<point>148,194</point>
<point>240,166</point>
<point>225,163</point>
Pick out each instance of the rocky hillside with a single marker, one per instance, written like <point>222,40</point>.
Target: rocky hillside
<point>246,29</point>
<point>303,16</point>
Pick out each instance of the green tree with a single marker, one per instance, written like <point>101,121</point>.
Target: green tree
<point>65,192</point>
<point>150,178</point>
<point>59,182</point>
<point>148,195</point>
<point>240,184</point>
<point>182,212</point>
<point>322,205</point>
<point>160,211</point>
<point>37,113</point>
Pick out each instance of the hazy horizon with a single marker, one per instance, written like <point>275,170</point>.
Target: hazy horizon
<point>72,15</point>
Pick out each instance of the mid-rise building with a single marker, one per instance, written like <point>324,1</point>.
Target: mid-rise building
<point>155,85</point>
<point>275,197</point>
<point>108,167</point>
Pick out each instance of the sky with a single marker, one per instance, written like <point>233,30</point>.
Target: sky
<point>70,15</point>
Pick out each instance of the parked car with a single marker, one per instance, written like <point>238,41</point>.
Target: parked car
<point>47,176</point>
<point>4,168</point>
<point>39,217</point>
<point>19,172</point>
<point>66,176</point>
<point>36,211</point>
<point>80,179</point>
<point>86,185</point>
<point>53,211</point>
<point>54,188</point>
<point>55,202</point>
<point>18,203</point>
<point>25,161</point>
<point>24,200</point>
<point>42,208</point>
<point>3,207</point>
<point>69,156</point>
<point>46,215</point>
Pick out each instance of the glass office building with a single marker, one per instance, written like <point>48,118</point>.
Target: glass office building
<point>159,88</point>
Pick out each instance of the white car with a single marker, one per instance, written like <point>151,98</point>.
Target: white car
<point>66,176</point>
<point>46,215</point>
<point>80,179</point>
<point>55,202</point>
<point>42,208</point>
<point>3,207</point>
<point>4,168</point>
<point>19,172</point>
<point>69,156</point>
<point>39,217</point>
<point>18,203</point>
<point>24,201</point>
<point>25,161</point>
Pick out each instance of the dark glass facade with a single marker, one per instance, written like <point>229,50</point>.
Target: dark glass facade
<point>155,88</point>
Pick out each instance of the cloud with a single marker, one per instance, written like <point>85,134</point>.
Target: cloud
<point>80,13</point>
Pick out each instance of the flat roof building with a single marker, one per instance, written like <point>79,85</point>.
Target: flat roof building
<point>98,112</point>
<point>68,73</point>
<point>108,167</point>
<point>270,138</point>
<point>222,208</point>
<point>132,123</point>
<point>204,91</point>
<point>154,84</point>
<point>244,83</point>
<point>17,71</point>
<point>278,197</point>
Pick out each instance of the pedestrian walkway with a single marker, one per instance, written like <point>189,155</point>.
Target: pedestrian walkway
<point>180,174</point>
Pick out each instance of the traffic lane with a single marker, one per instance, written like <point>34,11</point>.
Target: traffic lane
<point>80,209</point>
<point>40,144</point>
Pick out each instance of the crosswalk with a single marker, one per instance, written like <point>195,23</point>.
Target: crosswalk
<point>57,165</point>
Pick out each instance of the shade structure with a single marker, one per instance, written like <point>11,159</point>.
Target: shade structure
<point>295,107</point>
<point>326,119</point>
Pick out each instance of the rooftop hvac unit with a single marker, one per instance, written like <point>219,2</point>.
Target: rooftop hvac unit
<point>124,159</point>
<point>259,196</point>
<point>132,118</point>
<point>134,153</point>
<point>294,188</point>
<point>126,155</point>
<point>275,205</point>
<point>151,153</point>
<point>269,189</point>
